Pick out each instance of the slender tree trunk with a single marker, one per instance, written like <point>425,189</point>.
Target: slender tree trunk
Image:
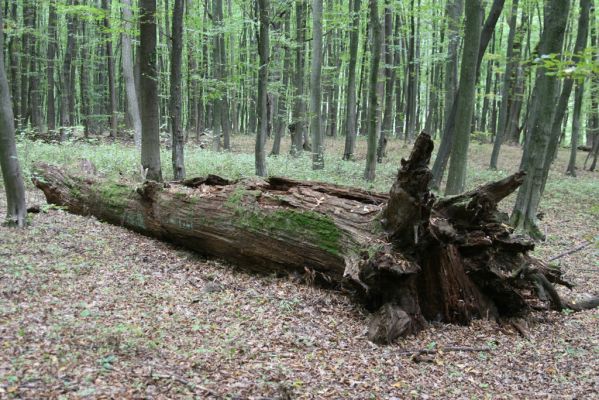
<point>581,42</point>
<point>9,162</point>
<point>178,144</point>
<point>539,123</point>
<point>148,84</point>
<point>593,115</point>
<point>263,51</point>
<point>387,124</point>
<point>450,118</point>
<point>112,103</point>
<point>26,55</point>
<point>350,106</point>
<point>298,125</point>
<point>576,117</point>
<point>410,129</point>
<point>84,83</point>
<point>33,94</point>
<point>128,74</point>
<point>509,84</point>
<point>14,59</point>
<point>51,58</point>
<point>66,85</point>
<point>453,14</point>
<point>315,89</point>
<point>465,102</point>
<point>282,112</point>
<point>370,170</point>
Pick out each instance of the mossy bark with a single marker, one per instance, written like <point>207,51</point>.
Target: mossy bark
<point>407,257</point>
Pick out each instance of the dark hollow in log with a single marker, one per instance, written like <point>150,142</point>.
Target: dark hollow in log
<point>407,257</point>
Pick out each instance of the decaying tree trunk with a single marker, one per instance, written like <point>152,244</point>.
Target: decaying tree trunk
<point>406,256</point>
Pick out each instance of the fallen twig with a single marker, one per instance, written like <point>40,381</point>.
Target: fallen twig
<point>567,253</point>
<point>446,350</point>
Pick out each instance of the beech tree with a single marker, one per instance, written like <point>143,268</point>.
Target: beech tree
<point>375,23</point>
<point>465,102</point>
<point>538,133</point>
<point>315,89</point>
<point>128,74</point>
<point>148,84</point>
<point>9,161</point>
<point>263,50</point>
<point>175,100</point>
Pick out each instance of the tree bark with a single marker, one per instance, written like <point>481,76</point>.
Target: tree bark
<point>128,74</point>
<point>66,97</point>
<point>450,117</point>
<point>465,102</point>
<point>581,42</point>
<point>524,215</point>
<point>263,51</point>
<point>148,84</point>
<point>282,112</point>
<point>315,89</point>
<point>375,24</point>
<point>350,107</point>
<point>112,103</point>
<point>509,86</point>
<point>404,256</point>
<point>51,58</point>
<point>387,123</point>
<point>176,99</point>
<point>9,162</point>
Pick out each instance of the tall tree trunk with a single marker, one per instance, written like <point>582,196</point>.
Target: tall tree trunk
<point>453,14</point>
<point>375,23</point>
<point>465,102</point>
<point>51,58</point>
<point>581,43</point>
<point>178,144</point>
<point>112,102</point>
<point>11,171</point>
<point>315,89</point>
<point>298,124</point>
<point>410,128</point>
<point>263,51</point>
<point>14,60</point>
<point>509,84</point>
<point>128,74</point>
<point>387,124</point>
<point>66,85</point>
<point>282,112</point>
<point>450,118</point>
<point>35,94</point>
<point>350,106</point>
<point>26,55</point>
<point>148,85</point>
<point>593,115</point>
<point>539,123</point>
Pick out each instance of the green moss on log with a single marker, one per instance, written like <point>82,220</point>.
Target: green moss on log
<point>308,225</point>
<point>115,195</point>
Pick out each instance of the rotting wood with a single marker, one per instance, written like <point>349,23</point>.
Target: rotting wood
<point>407,257</point>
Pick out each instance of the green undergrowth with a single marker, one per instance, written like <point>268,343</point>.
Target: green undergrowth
<point>118,160</point>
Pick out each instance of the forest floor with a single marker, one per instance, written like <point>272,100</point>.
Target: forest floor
<point>90,310</point>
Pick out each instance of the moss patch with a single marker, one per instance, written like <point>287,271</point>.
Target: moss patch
<point>309,225</point>
<point>115,195</point>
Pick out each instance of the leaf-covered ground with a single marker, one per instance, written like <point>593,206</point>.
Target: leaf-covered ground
<point>90,310</point>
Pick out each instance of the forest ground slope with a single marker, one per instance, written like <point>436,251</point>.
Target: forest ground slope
<point>93,310</point>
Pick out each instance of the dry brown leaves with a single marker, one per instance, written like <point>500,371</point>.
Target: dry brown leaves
<point>89,310</point>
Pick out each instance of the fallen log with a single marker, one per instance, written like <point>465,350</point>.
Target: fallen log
<point>406,256</point>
